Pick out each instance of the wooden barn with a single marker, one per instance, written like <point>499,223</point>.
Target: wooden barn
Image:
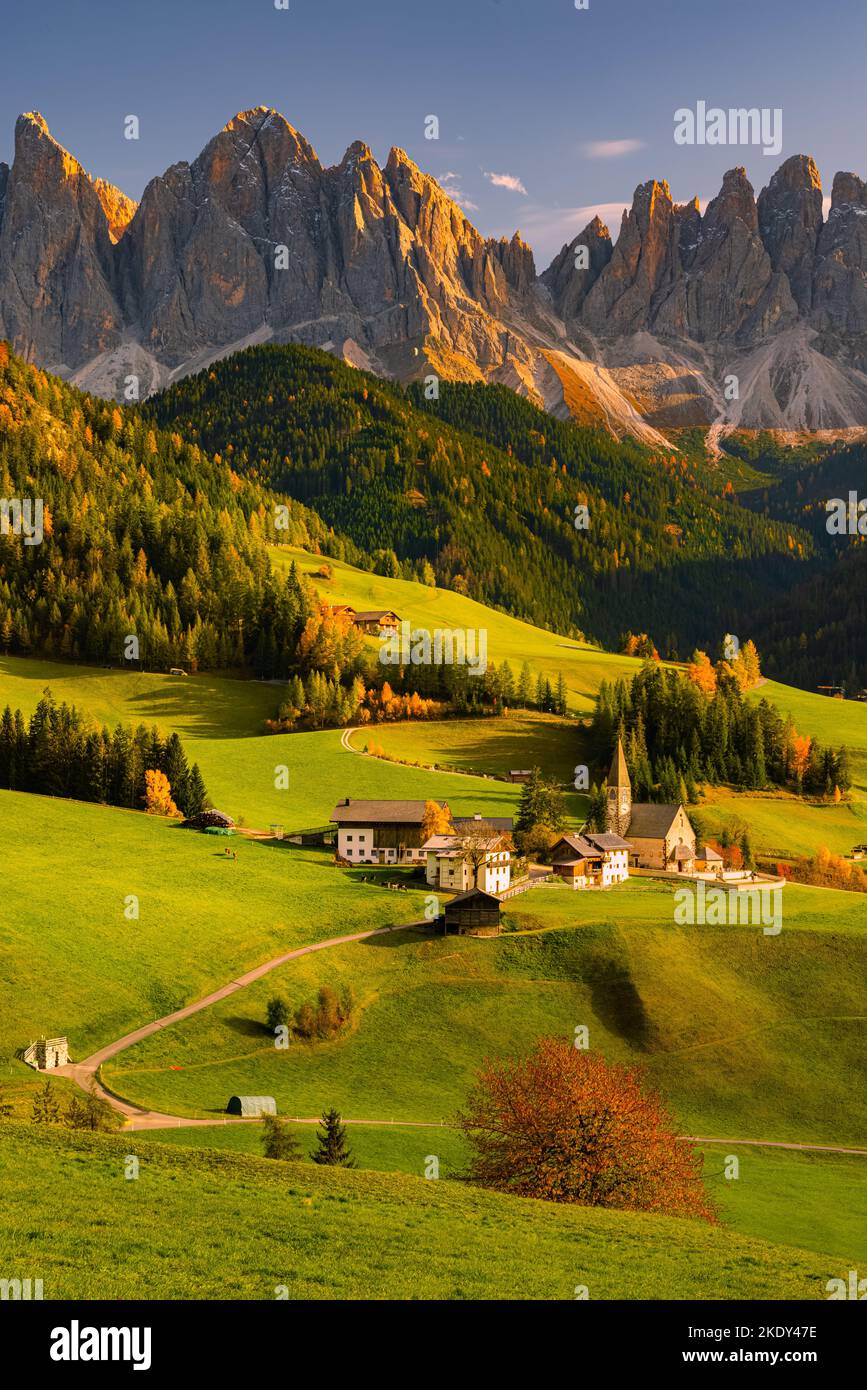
<point>252,1106</point>
<point>474,912</point>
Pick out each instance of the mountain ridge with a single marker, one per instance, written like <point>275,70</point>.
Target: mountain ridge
<point>257,241</point>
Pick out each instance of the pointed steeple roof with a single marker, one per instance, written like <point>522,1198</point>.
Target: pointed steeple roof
<point>619,774</point>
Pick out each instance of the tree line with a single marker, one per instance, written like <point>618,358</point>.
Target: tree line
<point>676,735</point>
<point>145,537</point>
<point>59,752</point>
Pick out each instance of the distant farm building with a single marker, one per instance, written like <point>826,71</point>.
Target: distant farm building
<point>251,1106</point>
<point>380,622</point>
<point>381,832</point>
<point>474,913</point>
<point>46,1053</point>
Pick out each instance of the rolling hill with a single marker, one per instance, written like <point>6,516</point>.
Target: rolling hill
<point>210,1225</point>
<point>478,489</point>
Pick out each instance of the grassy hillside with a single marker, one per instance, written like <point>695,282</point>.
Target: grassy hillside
<point>203,918</point>
<point>524,739</point>
<point>752,1036</point>
<point>220,722</point>
<point>582,664</point>
<point>481,487</point>
<point>207,1225</point>
<point>814,1201</point>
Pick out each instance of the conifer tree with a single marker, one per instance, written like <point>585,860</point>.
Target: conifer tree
<point>332,1150</point>
<point>46,1108</point>
<point>278,1140</point>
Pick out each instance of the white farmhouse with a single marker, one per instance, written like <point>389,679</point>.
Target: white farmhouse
<point>591,860</point>
<point>457,864</point>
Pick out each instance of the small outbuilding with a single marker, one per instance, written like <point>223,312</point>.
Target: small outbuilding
<point>46,1054</point>
<point>708,860</point>
<point>475,912</point>
<point>252,1106</point>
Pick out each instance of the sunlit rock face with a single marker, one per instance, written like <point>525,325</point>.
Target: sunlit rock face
<point>255,240</point>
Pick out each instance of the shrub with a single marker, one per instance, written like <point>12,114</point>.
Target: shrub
<point>565,1125</point>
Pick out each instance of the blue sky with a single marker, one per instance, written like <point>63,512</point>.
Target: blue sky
<point>546,113</point>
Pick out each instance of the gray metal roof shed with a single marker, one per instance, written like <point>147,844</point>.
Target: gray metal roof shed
<point>252,1105</point>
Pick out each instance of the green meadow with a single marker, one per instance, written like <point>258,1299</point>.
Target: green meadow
<point>524,739</point>
<point>815,1201</point>
<point>509,639</point>
<point>746,1035</point>
<point>200,1224</point>
<point>72,962</point>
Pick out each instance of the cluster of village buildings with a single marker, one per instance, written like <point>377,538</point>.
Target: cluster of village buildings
<point>474,856</point>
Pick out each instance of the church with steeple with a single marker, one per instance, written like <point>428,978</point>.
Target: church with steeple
<point>660,836</point>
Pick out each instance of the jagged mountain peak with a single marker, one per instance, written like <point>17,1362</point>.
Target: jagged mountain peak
<point>255,240</point>
<point>33,120</point>
<point>798,171</point>
<point>848,189</point>
<point>118,208</point>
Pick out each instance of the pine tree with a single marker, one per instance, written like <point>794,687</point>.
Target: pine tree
<point>332,1150</point>
<point>560,699</point>
<point>46,1109</point>
<point>541,803</point>
<point>174,765</point>
<point>522,694</point>
<point>278,1141</point>
<point>197,796</point>
<point>597,815</point>
<point>507,684</point>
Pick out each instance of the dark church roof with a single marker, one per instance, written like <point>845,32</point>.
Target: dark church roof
<point>651,820</point>
<point>619,774</point>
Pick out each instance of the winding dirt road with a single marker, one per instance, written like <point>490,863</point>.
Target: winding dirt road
<point>135,1117</point>
<point>85,1073</point>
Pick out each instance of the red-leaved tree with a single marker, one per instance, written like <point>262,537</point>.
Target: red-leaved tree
<point>565,1125</point>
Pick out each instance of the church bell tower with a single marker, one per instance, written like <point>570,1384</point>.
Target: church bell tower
<point>619,794</point>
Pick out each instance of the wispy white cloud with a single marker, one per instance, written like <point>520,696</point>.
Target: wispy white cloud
<point>611,149</point>
<point>548,228</point>
<point>510,181</point>
<point>450,183</point>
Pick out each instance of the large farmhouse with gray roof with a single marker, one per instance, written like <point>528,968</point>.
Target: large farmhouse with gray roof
<point>660,836</point>
<point>381,832</point>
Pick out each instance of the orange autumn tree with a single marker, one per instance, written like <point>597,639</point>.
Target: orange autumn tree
<point>701,672</point>
<point>158,794</point>
<point>567,1126</point>
<point>436,820</point>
